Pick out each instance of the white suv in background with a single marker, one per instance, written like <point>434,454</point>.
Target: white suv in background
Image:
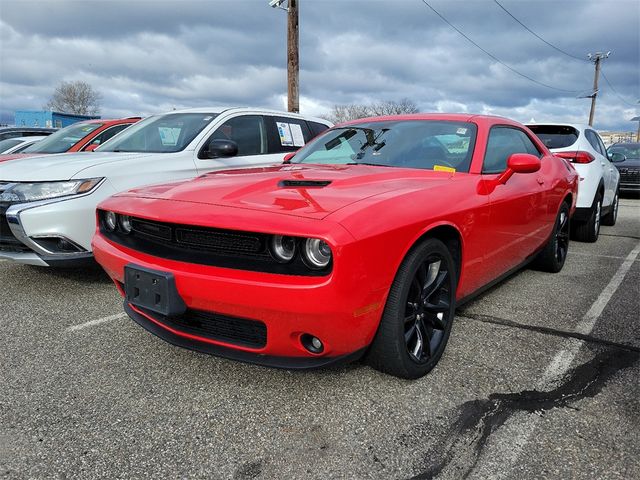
<point>599,180</point>
<point>47,204</point>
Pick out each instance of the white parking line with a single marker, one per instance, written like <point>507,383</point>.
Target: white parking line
<point>617,257</point>
<point>518,432</point>
<point>93,323</point>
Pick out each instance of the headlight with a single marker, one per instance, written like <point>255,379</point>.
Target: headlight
<point>317,253</point>
<point>31,192</point>
<point>283,248</point>
<point>125,223</point>
<point>111,221</point>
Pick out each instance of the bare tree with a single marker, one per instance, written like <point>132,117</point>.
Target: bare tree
<point>75,97</point>
<point>344,113</point>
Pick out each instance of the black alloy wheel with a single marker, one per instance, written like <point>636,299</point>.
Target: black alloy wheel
<point>562,236</point>
<point>427,305</point>
<point>417,319</point>
<point>553,255</point>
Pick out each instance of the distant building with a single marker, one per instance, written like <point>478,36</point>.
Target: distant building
<point>46,118</point>
<point>614,137</point>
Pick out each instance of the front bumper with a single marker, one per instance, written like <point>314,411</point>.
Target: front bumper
<point>339,309</point>
<point>29,231</point>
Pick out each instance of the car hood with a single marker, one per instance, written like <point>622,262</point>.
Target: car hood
<point>15,156</point>
<point>628,163</point>
<point>311,191</point>
<point>62,166</point>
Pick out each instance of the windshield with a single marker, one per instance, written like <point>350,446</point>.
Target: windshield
<point>64,139</point>
<point>424,144</point>
<point>9,143</point>
<point>162,134</point>
<point>630,151</point>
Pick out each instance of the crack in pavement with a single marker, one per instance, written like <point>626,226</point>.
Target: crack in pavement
<point>545,330</point>
<point>635,237</point>
<point>466,438</point>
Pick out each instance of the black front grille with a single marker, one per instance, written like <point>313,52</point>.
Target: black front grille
<point>214,326</point>
<point>207,246</point>
<point>630,175</point>
<point>8,242</point>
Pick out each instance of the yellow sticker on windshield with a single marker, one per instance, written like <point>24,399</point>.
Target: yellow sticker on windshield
<point>442,168</point>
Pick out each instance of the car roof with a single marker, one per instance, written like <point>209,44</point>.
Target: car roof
<point>27,129</point>
<point>111,120</point>
<point>625,144</point>
<point>577,126</point>
<point>219,110</point>
<point>453,117</point>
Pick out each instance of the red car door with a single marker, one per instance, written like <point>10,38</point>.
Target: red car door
<point>517,208</point>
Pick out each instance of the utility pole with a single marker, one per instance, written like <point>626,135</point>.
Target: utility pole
<point>596,58</point>
<point>293,59</point>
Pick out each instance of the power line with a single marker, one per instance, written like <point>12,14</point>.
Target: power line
<point>496,58</point>
<point>538,36</point>
<point>615,91</point>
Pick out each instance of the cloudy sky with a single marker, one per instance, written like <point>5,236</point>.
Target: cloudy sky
<point>150,56</point>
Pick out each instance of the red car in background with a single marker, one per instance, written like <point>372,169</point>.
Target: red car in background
<point>81,136</point>
<point>362,245</point>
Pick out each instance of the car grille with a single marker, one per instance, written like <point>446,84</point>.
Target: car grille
<point>214,326</point>
<point>8,242</point>
<point>206,246</point>
<point>630,175</point>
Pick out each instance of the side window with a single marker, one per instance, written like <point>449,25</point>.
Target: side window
<point>108,133</point>
<point>592,137</point>
<point>603,149</point>
<point>502,143</point>
<point>287,134</point>
<point>247,131</point>
<point>317,128</point>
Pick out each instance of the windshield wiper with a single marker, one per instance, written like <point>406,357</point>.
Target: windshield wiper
<point>369,164</point>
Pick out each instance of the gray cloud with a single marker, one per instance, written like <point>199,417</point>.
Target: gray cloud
<point>151,56</point>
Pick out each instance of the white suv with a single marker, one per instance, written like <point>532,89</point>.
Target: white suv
<point>47,204</point>
<point>599,180</point>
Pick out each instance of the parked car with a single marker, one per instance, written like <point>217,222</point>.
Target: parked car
<point>363,244</point>
<point>598,195</point>
<point>80,136</point>
<point>626,158</point>
<point>17,144</point>
<point>11,132</point>
<point>47,204</point>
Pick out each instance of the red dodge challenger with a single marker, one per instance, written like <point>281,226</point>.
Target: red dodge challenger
<point>363,243</point>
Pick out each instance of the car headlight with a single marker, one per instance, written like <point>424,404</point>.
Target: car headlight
<point>283,248</point>
<point>317,253</point>
<point>31,192</point>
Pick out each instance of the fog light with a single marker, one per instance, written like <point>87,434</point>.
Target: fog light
<point>311,343</point>
<point>111,221</point>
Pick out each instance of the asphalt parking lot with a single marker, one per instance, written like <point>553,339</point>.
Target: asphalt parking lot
<point>541,379</point>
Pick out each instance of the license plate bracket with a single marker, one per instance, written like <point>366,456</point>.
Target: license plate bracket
<point>153,290</point>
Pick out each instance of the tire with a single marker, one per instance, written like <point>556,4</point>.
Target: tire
<point>610,218</point>
<point>588,231</point>
<point>421,303</point>
<point>553,255</point>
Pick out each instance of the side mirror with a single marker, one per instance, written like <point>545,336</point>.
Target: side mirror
<point>617,157</point>
<point>222,149</point>
<point>91,147</point>
<point>287,158</point>
<point>520,163</point>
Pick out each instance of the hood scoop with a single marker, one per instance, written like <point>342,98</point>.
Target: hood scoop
<point>303,183</point>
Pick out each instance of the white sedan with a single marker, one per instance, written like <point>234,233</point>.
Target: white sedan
<point>598,192</point>
<point>17,144</point>
<point>47,204</point>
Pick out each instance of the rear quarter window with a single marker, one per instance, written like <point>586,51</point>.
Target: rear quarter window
<point>555,136</point>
